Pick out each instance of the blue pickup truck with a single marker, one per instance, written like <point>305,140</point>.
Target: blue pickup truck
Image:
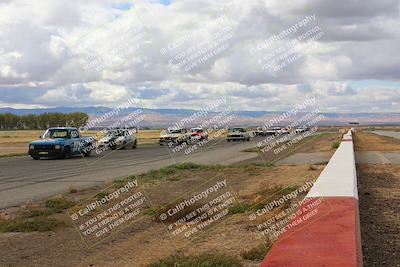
<point>61,142</point>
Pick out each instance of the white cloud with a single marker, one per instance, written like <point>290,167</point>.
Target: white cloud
<point>39,48</point>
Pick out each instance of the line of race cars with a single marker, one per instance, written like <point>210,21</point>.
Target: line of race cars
<point>177,136</point>
<point>65,142</point>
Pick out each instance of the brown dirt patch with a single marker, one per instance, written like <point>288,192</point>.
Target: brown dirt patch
<point>379,193</point>
<point>379,196</point>
<point>148,241</point>
<point>13,148</point>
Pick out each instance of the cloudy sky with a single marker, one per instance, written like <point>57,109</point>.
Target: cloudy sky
<point>262,55</point>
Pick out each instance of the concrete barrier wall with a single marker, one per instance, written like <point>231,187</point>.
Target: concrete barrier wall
<point>326,229</point>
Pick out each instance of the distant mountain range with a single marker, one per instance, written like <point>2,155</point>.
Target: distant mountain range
<point>166,117</point>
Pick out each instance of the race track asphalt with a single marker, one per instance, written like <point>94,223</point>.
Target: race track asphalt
<point>23,179</point>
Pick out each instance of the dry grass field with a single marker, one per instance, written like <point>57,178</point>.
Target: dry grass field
<point>234,236</point>
<point>366,141</point>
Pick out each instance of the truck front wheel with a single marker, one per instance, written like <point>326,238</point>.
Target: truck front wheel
<point>67,152</point>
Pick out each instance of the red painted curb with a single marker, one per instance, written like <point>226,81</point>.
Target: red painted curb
<point>326,234</point>
<point>331,237</point>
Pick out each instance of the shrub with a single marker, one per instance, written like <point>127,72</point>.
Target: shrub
<point>29,225</point>
<point>59,204</point>
<point>239,208</point>
<point>163,173</point>
<point>335,145</point>
<point>123,181</point>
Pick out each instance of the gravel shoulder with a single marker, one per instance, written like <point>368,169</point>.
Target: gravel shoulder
<point>379,195</point>
<point>379,198</point>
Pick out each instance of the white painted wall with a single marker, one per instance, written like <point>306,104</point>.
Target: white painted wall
<point>339,178</point>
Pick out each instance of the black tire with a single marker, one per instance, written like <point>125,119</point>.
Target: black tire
<point>35,157</point>
<point>135,144</point>
<point>228,140</point>
<point>87,153</point>
<point>123,145</point>
<point>67,152</point>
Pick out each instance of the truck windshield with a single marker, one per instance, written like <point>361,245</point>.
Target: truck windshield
<point>175,131</point>
<point>117,133</point>
<point>241,130</point>
<point>57,133</point>
<point>112,133</point>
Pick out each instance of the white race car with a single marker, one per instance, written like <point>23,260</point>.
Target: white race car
<point>284,131</point>
<point>238,133</point>
<point>273,131</point>
<point>301,129</point>
<point>173,137</point>
<point>119,138</point>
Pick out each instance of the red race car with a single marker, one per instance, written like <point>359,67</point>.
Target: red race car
<point>198,134</point>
